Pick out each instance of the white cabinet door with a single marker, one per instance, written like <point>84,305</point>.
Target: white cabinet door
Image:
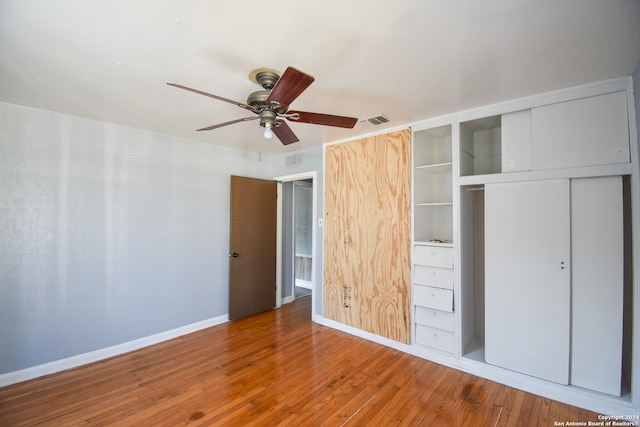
<point>597,241</point>
<point>527,277</point>
<point>516,141</point>
<point>585,132</point>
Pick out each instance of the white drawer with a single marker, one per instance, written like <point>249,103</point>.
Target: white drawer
<point>427,296</point>
<point>436,338</point>
<point>433,276</point>
<point>434,318</point>
<point>433,256</point>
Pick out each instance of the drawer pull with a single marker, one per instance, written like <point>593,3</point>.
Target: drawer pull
<point>435,314</point>
<point>433,273</point>
<point>435,334</point>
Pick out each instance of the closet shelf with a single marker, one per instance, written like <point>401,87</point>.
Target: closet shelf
<point>435,204</point>
<point>437,168</point>
<point>431,242</point>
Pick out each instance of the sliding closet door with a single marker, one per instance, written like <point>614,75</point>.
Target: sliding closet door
<point>367,270</point>
<point>597,235</point>
<point>527,277</point>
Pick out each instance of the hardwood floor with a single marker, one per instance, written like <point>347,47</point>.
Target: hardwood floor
<point>276,368</point>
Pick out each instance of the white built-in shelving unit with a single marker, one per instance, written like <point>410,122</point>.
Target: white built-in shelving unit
<point>493,293</point>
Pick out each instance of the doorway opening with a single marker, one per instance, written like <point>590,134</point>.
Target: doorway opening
<point>302,238</point>
<point>296,238</point>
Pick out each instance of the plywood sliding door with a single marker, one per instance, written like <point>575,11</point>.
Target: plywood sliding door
<point>367,240</point>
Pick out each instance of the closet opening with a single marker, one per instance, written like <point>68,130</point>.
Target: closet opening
<point>472,271</point>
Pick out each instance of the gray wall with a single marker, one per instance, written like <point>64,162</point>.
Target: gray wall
<point>107,234</point>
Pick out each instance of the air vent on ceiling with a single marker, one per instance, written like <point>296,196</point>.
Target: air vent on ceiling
<point>375,120</point>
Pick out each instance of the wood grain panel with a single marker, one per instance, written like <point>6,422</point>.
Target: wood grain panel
<point>367,200</point>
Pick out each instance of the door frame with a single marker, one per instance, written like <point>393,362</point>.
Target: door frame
<point>313,175</point>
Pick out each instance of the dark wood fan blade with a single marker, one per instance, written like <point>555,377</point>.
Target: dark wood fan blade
<point>284,133</point>
<point>290,85</point>
<point>323,119</point>
<point>219,125</point>
<point>230,101</point>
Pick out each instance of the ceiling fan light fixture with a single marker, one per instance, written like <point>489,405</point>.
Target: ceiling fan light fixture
<point>268,121</point>
<point>268,133</point>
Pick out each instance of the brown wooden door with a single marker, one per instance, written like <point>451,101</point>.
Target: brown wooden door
<point>252,247</point>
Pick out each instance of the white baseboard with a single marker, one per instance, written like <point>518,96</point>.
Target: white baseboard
<point>570,395</point>
<point>362,334</point>
<point>287,300</point>
<point>304,284</point>
<point>105,353</point>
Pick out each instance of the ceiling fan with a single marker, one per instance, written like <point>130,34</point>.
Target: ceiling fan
<point>271,105</point>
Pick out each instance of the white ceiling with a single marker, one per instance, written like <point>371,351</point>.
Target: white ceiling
<point>409,59</point>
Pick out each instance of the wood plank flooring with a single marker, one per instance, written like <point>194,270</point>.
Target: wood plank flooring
<point>276,368</point>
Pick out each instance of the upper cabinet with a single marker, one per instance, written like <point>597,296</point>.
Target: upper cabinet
<point>481,146</point>
<point>589,131</point>
<point>516,132</point>
<point>585,132</point>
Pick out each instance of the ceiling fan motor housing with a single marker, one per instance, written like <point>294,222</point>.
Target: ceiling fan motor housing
<point>258,99</point>
<point>268,117</point>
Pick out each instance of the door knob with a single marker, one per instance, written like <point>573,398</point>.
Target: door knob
<point>235,255</point>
